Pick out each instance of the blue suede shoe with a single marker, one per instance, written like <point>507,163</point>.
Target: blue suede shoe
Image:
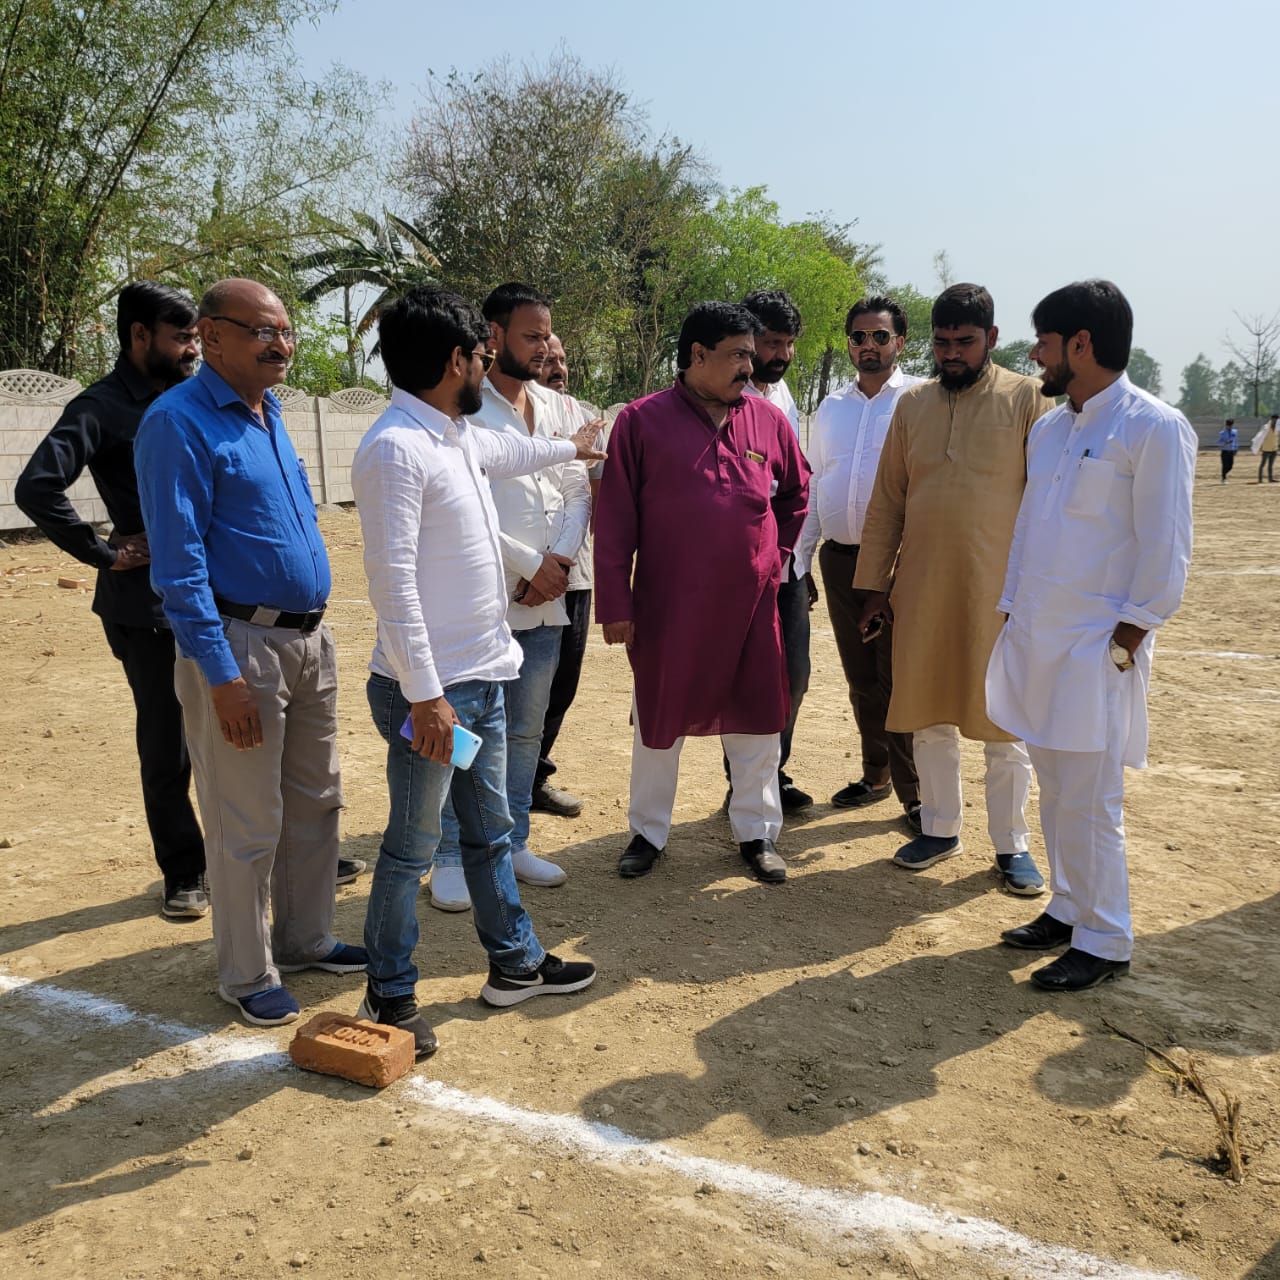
<point>1019,874</point>
<point>342,959</point>
<point>924,851</point>
<point>270,1008</point>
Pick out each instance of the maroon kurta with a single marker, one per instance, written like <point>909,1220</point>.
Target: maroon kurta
<point>693,509</point>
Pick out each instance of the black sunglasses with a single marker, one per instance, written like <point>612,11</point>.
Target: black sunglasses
<point>879,336</point>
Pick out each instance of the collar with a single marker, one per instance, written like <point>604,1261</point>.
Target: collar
<point>1107,397</point>
<point>896,379</point>
<point>136,385</point>
<point>697,406</point>
<point>425,415</point>
<point>222,394</point>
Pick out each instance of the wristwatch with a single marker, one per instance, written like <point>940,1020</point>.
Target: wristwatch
<point>1120,655</point>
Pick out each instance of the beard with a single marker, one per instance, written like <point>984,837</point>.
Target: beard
<point>1054,382</point>
<point>872,362</point>
<point>168,370</point>
<point>514,369</point>
<point>470,400</point>
<point>771,372</point>
<point>954,379</point>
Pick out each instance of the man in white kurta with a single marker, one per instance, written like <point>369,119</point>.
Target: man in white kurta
<point>1099,559</point>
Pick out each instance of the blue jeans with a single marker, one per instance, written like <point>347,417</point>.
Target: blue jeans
<point>418,790</point>
<point>526,698</point>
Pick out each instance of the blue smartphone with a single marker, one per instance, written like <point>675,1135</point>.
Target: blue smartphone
<point>465,743</point>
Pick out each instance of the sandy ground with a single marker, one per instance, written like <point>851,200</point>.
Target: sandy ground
<point>857,1030</point>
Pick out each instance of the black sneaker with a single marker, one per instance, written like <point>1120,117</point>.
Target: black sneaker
<point>349,868</point>
<point>553,977</point>
<point>402,1012</point>
<point>186,899</point>
<point>793,799</point>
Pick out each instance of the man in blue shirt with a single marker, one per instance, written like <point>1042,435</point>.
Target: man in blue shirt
<point>1228,443</point>
<point>241,568</point>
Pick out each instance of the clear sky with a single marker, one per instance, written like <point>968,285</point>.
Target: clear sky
<point>1036,144</point>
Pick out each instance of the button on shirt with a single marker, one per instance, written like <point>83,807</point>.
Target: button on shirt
<point>548,511</point>
<point>96,430</point>
<point>228,511</point>
<point>848,434</point>
<point>1103,536</point>
<point>432,548</point>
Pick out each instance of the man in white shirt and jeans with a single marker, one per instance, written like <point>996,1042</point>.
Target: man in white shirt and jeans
<point>444,654</point>
<point>542,520</point>
<point>848,434</point>
<point>1099,559</point>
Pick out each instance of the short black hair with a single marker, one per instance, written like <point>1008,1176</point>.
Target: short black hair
<point>148,303</point>
<point>499,305</point>
<point>963,304</point>
<point>419,332</point>
<point>1231,422</point>
<point>1096,305</point>
<point>708,323</point>
<point>775,311</point>
<point>869,306</point>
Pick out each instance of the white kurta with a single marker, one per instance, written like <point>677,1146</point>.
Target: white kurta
<point>1103,536</point>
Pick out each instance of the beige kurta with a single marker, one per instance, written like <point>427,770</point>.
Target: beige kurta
<point>944,504</point>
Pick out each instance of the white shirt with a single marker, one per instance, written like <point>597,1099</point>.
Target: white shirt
<point>1103,536</point>
<point>431,549</point>
<point>845,440</point>
<point>779,395</point>
<point>582,574</point>
<point>548,511</point>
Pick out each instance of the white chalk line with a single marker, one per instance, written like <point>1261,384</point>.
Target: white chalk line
<point>867,1217</point>
<point>1230,654</point>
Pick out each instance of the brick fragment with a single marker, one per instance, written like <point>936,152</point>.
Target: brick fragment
<point>72,584</point>
<point>365,1052</point>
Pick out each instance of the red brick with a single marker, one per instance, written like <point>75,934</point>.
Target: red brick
<point>72,584</point>
<point>366,1052</point>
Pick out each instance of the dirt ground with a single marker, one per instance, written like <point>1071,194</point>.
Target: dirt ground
<point>857,1030</point>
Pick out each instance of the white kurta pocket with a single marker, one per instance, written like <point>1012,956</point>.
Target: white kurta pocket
<point>1091,488</point>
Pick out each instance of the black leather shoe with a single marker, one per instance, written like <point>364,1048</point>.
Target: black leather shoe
<point>860,793</point>
<point>1077,971</point>
<point>911,816</point>
<point>793,799</point>
<point>1042,934</point>
<point>638,858</point>
<point>762,857</point>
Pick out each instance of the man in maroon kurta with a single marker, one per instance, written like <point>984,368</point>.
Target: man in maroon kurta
<point>704,495</point>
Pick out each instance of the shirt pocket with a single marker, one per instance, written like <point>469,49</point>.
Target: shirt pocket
<point>1091,487</point>
<point>748,479</point>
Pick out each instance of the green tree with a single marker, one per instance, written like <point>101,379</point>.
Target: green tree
<point>391,256</point>
<point>1198,397</point>
<point>1143,371</point>
<point>169,141</point>
<point>1016,356</point>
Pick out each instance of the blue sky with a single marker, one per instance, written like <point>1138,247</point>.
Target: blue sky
<point>1036,144</point>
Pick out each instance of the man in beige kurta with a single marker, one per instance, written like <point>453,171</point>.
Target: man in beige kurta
<point>935,543</point>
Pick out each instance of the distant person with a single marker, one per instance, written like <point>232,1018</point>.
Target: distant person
<point>1099,559</point>
<point>238,560</point>
<point>703,499</point>
<point>847,436</point>
<point>542,522</point>
<point>936,535</point>
<point>775,350</point>
<point>159,347</point>
<point>1228,444</point>
<point>547,797</point>
<point>445,655</point>
<point>1268,439</point>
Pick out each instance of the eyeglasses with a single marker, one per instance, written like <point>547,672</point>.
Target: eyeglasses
<point>879,336</point>
<point>487,358</point>
<point>263,333</point>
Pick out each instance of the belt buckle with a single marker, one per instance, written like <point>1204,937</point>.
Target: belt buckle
<point>264,617</point>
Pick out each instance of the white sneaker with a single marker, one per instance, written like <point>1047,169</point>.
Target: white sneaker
<point>534,870</point>
<point>449,889</point>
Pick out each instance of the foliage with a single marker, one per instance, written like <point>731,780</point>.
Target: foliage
<point>1144,371</point>
<point>1016,356</point>
<point>321,361</point>
<point>171,141</point>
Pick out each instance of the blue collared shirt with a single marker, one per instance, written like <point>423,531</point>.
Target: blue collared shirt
<point>228,512</point>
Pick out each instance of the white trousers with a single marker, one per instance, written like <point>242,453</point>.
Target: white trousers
<point>1082,816</point>
<point>1008,784</point>
<point>755,808</point>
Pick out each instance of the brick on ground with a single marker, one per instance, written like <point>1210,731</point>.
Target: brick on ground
<point>364,1052</point>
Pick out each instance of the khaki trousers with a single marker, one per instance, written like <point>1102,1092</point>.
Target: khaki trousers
<point>270,815</point>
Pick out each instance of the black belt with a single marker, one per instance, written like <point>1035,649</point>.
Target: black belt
<point>848,548</point>
<point>262,615</point>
